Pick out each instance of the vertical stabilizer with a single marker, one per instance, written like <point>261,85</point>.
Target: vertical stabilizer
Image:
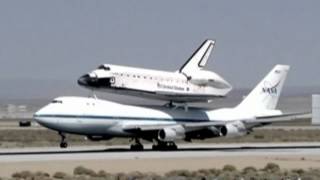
<point>199,58</point>
<point>266,94</point>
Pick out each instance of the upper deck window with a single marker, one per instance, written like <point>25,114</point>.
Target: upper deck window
<point>106,68</point>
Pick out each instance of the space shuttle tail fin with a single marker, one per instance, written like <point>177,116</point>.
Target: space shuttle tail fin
<point>199,58</point>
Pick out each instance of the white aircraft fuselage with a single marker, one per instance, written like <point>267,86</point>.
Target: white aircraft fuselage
<point>106,119</point>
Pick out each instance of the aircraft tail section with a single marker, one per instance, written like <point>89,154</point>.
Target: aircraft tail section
<point>265,95</point>
<point>199,58</point>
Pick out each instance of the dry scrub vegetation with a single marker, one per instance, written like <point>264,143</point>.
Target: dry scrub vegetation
<point>228,172</point>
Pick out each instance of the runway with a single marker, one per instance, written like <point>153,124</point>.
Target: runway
<point>185,151</point>
<point>189,156</point>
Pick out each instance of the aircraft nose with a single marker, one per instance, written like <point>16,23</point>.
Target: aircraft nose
<point>38,117</point>
<point>45,119</point>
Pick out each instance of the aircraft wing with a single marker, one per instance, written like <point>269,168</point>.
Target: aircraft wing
<point>146,127</point>
<point>185,125</point>
<point>259,121</point>
<point>289,115</point>
<point>279,118</point>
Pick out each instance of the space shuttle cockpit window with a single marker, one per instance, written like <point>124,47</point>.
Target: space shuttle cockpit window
<point>106,68</point>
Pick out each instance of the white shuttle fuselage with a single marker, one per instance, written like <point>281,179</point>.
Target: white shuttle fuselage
<point>191,83</point>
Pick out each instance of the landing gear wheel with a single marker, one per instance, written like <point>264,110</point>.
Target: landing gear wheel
<point>165,146</point>
<point>154,147</point>
<point>137,146</point>
<point>63,143</point>
<point>173,146</point>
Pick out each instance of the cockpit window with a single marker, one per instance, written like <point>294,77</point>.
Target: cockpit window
<point>106,68</point>
<point>56,102</point>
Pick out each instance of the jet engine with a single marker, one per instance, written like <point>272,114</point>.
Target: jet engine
<point>234,129</point>
<point>171,133</point>
<point>203,78</point>
<point>202,134</point>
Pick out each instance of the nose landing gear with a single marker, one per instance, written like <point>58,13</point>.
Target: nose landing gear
<point>63,143</point>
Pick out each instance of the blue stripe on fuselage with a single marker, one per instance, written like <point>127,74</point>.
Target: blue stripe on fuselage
<point>120,118</point>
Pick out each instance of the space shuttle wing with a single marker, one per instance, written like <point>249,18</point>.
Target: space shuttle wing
<point>165,93</point>
<point>184,97</point>
<point>174,94</point>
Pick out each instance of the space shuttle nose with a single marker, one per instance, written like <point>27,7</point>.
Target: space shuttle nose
<point>89,80</point>
<point>84,80</point>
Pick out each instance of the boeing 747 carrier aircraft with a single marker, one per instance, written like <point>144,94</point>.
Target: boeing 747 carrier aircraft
<point>191,83</point>
<point>103,120</point>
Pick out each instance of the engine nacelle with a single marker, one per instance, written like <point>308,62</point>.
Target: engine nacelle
<point>234,129</point>
<point>214,132</point>
<point>208,78</point>
<point>202,134</point>
<point>171,133</point>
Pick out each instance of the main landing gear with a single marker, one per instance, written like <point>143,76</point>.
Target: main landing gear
<point>157,146</point>
<point>164,146</point>
<point>63,143</point>
<point>136,146</point>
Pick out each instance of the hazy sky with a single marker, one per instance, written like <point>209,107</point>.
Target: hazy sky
<point>57,41</point>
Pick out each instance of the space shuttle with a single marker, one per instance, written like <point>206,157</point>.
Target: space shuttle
<point>190,83</point>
